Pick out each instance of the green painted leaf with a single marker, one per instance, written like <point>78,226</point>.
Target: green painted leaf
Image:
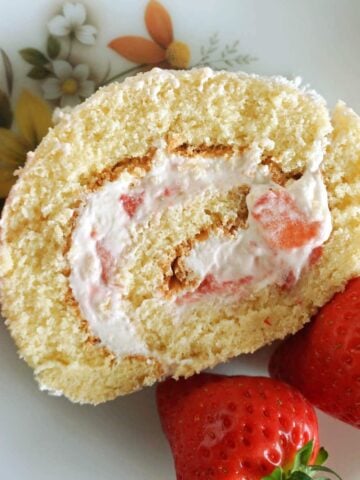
<point>8,71</point>
<point>38,73</point>
<point>6,115</point>
<point>33,56</point>
<point>53,47</point>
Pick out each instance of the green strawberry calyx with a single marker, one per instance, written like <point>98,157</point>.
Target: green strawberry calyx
<point>301,470</point>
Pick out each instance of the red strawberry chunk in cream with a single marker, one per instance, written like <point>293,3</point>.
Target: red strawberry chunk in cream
<point>106,260</point>
<point>289,281</point>
<point>131,203</point>
<point>210,285</point>
<point>171,191</point>
<point>284,225</point>
<point>315,255</point>
<point>167,192</point>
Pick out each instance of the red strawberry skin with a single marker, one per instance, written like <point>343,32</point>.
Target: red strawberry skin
<point>323,359</point>
<point>237,427</point>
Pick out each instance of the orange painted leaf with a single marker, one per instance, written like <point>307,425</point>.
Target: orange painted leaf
<point>138,49</point>
<point>13,149</point>
<point>158,22</point>
<point>7,180</point>
<point>33,117</point>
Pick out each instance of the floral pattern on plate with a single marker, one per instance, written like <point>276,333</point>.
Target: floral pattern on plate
<point>66,81</point>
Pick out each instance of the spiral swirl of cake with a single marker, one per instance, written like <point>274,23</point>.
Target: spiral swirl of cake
<point>174,221</point>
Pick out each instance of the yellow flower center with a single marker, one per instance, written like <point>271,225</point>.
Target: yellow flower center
<point>178,55</point>
<point>69,86</point>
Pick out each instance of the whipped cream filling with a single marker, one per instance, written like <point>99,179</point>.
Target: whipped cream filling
<point>106,224</point>
<point>249,255</point>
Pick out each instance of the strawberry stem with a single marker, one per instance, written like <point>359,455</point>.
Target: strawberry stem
<point>301,470</point>
<point>321,457</point>
<point>321,468</point>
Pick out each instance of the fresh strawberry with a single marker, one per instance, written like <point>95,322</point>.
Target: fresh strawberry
<point>284,224</point>
<point>131,203</point>
<point>238,428</point>
<point>323,359</point>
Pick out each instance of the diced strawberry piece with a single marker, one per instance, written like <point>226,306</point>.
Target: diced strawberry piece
<point>284,224</point>
<point>208,285</point>
<point>315,255</point>
<point>289,281</point>
<point>94,290</point>
<point>131,203</point>
<point>106,260</point>
<point>212,286</point>
<point>170,191</point>
<point>167,192</point>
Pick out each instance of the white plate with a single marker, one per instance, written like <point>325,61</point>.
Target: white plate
<point>44,438</point>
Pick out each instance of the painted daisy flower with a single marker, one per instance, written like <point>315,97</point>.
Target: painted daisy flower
<point>71,22</point>
<point>70,84</point>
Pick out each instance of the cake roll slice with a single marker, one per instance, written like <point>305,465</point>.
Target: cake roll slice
<point>174,221</point>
